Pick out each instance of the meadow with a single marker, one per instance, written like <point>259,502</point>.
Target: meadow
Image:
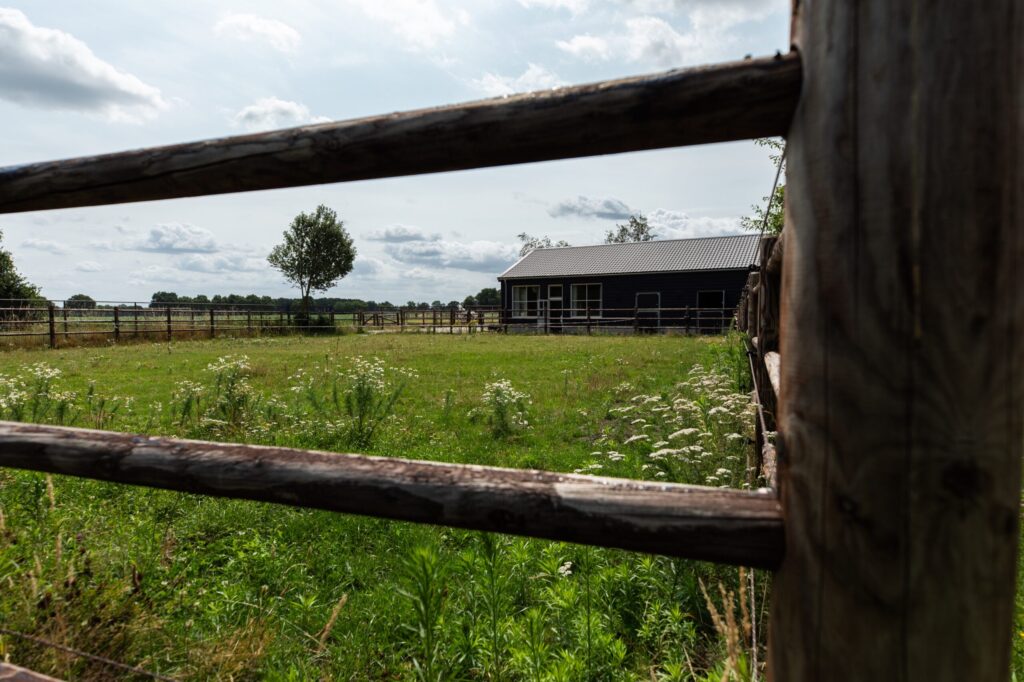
<point>203,588</point>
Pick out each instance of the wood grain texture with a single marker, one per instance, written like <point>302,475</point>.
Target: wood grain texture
<point>772,362</point>
<point>729,526</point>
<point>740,100</point>
<point>901,415</point>
<point>13,673</point>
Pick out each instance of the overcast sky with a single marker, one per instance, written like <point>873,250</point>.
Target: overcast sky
<point>103,76</point>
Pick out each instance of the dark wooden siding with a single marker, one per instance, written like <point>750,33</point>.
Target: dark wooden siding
<point>618,292</point>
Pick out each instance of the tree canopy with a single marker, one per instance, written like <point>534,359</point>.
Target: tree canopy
<point>770,217</point>
<point>316,252</point>
<point>80,301</point>
<point>636,230</point>
<point>531,243</point>
<point>12,284</point>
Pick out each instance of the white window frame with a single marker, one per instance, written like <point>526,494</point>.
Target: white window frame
<point>525,313</point>
<point>572,300</point>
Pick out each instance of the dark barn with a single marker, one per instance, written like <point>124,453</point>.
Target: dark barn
<point>684,284</point>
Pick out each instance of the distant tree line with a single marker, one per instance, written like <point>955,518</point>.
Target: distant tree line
<point>486,297</point>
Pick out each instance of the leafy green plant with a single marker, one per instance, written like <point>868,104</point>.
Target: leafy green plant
<point>505,408</point>
<point>423,585</point>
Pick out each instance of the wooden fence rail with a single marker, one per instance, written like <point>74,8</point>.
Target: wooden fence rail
<point>730,526</point>
<point>741,100</point>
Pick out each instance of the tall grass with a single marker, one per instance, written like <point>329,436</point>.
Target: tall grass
<point>209,588</point>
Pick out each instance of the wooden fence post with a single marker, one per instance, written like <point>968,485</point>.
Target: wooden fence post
<point>52,325</point>
<point>902,372</point>
<point>169,332</point>
<point>213,328</point>
<point>588,319</point>
<point>117,324</point>
<point>64,314</point>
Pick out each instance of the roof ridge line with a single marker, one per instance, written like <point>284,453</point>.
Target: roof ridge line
<point>649,241</point>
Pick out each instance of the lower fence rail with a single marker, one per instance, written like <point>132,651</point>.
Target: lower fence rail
<point>727,526</point>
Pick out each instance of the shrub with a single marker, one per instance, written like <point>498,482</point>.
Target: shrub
<point>505,408</point>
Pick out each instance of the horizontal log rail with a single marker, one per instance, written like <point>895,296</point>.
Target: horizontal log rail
<point>733,101</point>
<point>727,526</point>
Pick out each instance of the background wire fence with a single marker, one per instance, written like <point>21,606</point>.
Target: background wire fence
<point>28,323</point>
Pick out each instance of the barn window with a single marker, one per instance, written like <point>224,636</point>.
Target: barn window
<point>584,297</point>
<point>524,300</point>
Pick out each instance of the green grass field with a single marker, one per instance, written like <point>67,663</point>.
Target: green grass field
<point>203,588</point>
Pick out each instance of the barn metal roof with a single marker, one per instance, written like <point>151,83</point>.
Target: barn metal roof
<point>668,255</point>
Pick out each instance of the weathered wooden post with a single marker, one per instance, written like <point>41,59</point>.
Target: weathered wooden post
<point>588,319</point>
<point>52,324</point>
<point>64,314</point>
<point>169,331</point>
<point>902,362</point>
<point>213,328</point>
<point>117,324</point>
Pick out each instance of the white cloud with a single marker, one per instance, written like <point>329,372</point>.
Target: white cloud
<point>587,47</point>
<point>251,27</point>
<point>48,68</point>
<point>89,266</point>
<point>587,207</point>
<point>44,245</point>
<point>653,40</point>
<point>366,267</point>
<point>574,6</point>
<point>175,238</point>
<point>670,224</point>
<point>271,112</point>
<point>478,256</point>
<point>419,24</point>
<point>536,77</point>
<point>218,263</point>
<point>401,233</point>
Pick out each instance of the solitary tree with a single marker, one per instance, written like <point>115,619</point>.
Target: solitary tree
<point>315,254</point>
<point>636,230</point>
<point>488,296</point>
<point>80,301</point>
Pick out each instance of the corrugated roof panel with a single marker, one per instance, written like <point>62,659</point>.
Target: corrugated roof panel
<point>668,255</point>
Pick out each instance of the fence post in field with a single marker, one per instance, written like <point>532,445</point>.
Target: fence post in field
<point>248,321</point>
<point>636,319</point>
<point>213,328</point>
<point>64,314</point>
<point>588,318</point>
<point>169,335</point>
<point>902,372</point>
<point>52,324</point>
<point>117,324</point>
<point>135,320</point>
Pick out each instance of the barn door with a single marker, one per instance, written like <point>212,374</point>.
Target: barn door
<point>711,311</point>
<point>648,310</point>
